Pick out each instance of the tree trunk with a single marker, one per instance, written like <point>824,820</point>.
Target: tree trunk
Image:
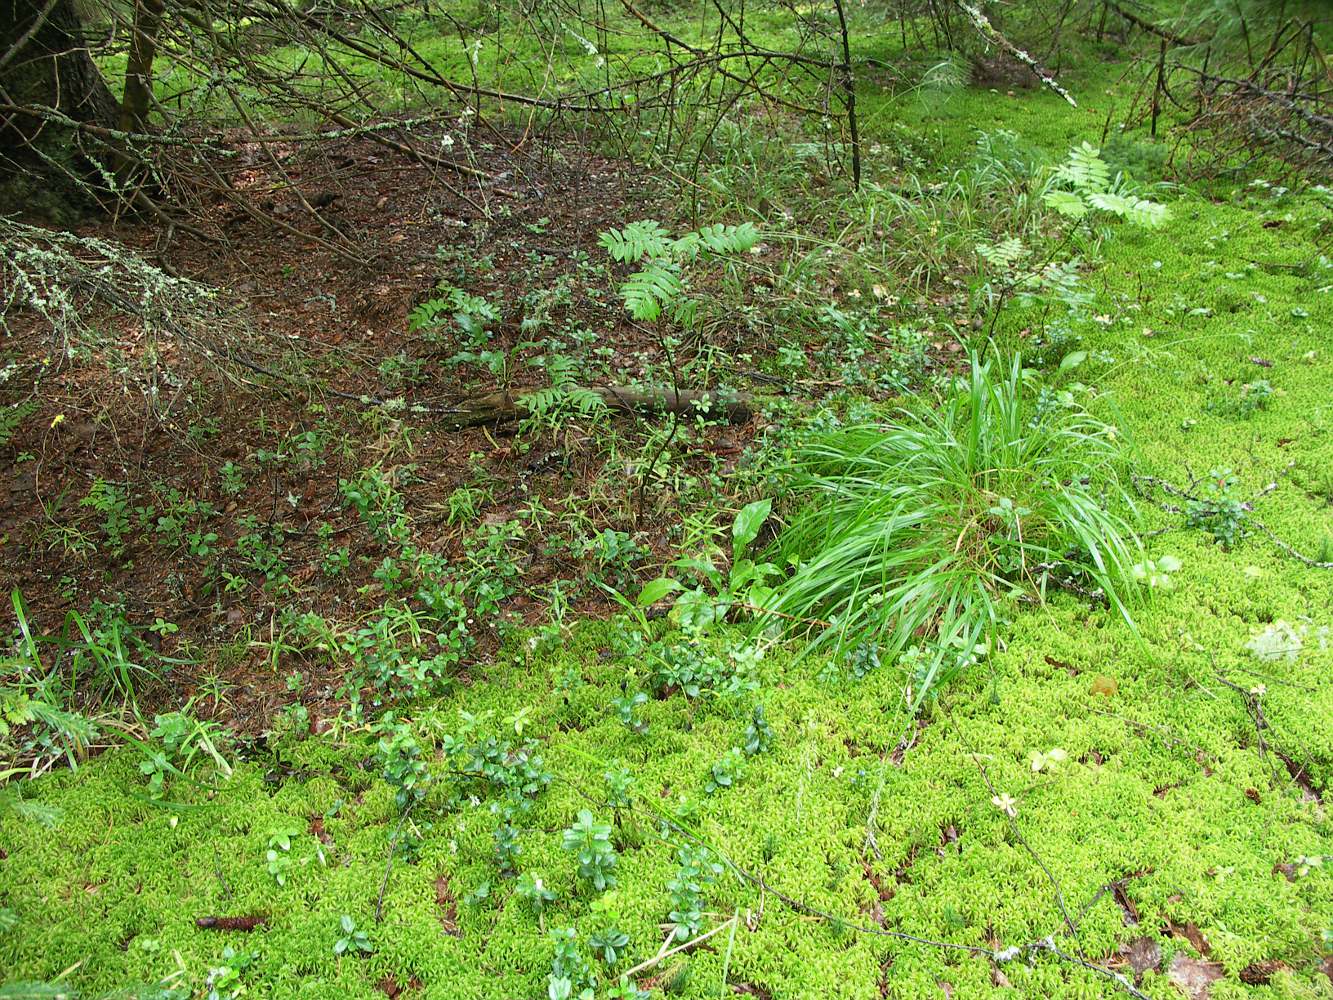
<point>54,108</point>
<point>139,68</point>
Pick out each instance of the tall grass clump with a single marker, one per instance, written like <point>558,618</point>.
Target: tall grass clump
<point>909,537</point>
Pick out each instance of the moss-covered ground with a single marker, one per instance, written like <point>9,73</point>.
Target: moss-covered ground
<point>1169,791</point>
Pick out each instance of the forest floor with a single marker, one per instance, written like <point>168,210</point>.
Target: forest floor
<point>1095,810</point>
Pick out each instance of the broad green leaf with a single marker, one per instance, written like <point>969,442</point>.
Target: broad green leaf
<point>654,590</point>
<point>1072,360</point>
<point>745,529</point>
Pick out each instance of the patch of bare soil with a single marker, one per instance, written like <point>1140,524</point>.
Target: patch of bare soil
<point>339,323</point>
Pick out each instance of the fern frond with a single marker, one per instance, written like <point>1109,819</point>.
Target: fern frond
<point>1086,170</point>
<point>35,991</point>
<point>426,314</point>
<point>1067,203</point>
<point>585,401</point>
<point>1137,210</point>
<point>643,239</point>
<point>30,810</point>
<point>646,292</point>
<point>74,730</point>
<point>563,370</point>
<point>548,407</point>
<point>719,239</point>
<point>1004,254</point>
<point>540,402</point>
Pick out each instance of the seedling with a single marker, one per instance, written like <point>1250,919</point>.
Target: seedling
<point>1157,572</point>
<point>532,890</point>
<point>590,841</point>
<point>609,943</point>
<point>352,940</point>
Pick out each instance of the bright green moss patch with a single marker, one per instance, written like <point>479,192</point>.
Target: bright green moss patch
<point>1162,788</point>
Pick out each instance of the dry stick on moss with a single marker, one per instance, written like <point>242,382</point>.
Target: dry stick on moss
<point>1161,732</point>
<point>1048,944</point>
<point>872,817</point>
<point>759,883</point>
<point>1253,699</point>
<point>1171,489</point>
<point>244,924</point>
<point>1017,831</point>
<point>388,865</point>
<point>1253,709</point>
<point>667,953</point>
<point>1298,556</point>
<point>999,957</point>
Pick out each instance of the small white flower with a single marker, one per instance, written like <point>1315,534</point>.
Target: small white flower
<point>1006,803</point>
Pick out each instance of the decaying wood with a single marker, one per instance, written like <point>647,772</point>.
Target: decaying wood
<point>247,923</point>
<point>501,407</point>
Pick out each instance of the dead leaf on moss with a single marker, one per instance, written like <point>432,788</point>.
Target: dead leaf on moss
<point>447,904</point>
<point>1259,973</point>
<point>751,990</point>
<point>318,831</point>
<point>1142,954</point>
<point>1193,976</point>
<point>1071,670</point>
<point>1288,871</point>
<point>1105,686</point>
<point>1191,933</point>
<point>1128,911</point>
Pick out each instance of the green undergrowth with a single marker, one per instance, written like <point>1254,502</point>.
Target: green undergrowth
<point>1162,785</point>
<point>1206,344</point>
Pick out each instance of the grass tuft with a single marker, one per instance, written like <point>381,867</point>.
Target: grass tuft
<point>911,535</point>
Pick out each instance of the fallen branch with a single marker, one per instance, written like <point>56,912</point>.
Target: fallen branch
<point>991,34</point>
<point>998,956</point>
<point>1144,485</point>
<point>1166,34</point>
<point>502,407</point>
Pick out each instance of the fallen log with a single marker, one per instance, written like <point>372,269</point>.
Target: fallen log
<point>501,407</point>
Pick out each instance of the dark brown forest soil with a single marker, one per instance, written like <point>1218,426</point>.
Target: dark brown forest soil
<point>413,227</point>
